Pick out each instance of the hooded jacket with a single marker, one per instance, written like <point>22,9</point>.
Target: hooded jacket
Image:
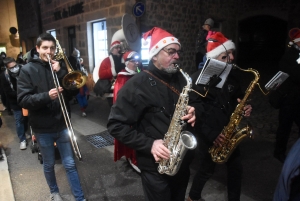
<point>10,88</point>
<point>34,83</point>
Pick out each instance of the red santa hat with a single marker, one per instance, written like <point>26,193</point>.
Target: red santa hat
<point>114,44</point>
<point>127,56</point>
<point>294,35</point>
<point>159,39</point>
<point>218,43</point>
<point>107,68</point>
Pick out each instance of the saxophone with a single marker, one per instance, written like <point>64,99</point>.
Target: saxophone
<point>234,135</point>
<point>176,141</point>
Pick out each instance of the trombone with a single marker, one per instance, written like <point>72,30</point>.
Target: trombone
<point>65,113</point>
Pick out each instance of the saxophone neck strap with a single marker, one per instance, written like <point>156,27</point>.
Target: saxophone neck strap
<point>169,86</point>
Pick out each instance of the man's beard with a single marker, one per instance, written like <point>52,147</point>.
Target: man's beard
<point>171,69</point>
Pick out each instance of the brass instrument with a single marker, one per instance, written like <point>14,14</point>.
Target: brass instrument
<point>234,135</point>
<point>74,79</point>
<point>65,114</point>
<point>176,141</point>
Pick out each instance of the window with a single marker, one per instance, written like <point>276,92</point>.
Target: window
<point>145,51</point>
<point>99,41</point>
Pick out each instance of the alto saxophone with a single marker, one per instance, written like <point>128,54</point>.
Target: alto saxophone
<point>234,135</point>
<point>176,141</point>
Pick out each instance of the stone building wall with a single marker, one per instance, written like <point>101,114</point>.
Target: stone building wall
<point>181,18</point>
<point>8,19</point>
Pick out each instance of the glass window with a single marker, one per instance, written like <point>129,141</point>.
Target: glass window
<point>145,51</point>
<point>99,41</point>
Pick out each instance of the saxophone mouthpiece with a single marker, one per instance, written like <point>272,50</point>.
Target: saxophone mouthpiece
<point>177,64</point>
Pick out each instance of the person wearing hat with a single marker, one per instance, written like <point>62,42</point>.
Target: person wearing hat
<point>218,105</point>
<point>74,59</point>
<point>143,112</point>
<point>201,40</point>
<point>289,110</point>
<point>108,70</point>
<point>131,59</point>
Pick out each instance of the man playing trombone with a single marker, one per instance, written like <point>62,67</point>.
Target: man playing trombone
<point>37,92</point>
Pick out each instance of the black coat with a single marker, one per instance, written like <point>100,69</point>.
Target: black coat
<point>216,108</point>
<point>10,92</point>
<point>34,83</point>
<point>291,86</point>
<point>143,112</point>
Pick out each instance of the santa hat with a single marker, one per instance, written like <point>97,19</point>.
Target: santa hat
<point>114,44</point>
<point>127,56</point>
<point>107,68</point>
<point>159,39</point>
<point>294,35</point>
<point>218,43</point>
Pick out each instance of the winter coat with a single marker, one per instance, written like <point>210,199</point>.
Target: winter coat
<point>143,112</point>
<point>291,85</point>
<point>34,83</point>
<point>10,91</point>
<point>217,107</point>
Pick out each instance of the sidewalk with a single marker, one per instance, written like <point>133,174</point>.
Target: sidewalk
<point>6,191</point>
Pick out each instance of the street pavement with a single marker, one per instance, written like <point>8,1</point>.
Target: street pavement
<point>105,180</point>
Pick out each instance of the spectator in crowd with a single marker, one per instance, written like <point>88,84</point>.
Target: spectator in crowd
<point>9,85</point>
<point>83,95</point>
<point>201,40</point>
<point>74,59</point>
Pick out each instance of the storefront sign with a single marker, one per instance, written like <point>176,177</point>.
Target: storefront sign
<point>72,10</point>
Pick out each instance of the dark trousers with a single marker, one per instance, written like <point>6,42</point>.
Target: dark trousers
<point>287,116</point>
<point>207,168</point>
<point>161,187</point>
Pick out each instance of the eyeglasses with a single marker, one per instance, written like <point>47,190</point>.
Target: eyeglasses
<point>171,52</point>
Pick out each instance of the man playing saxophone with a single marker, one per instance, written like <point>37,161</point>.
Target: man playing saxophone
<point>143,112</point>
<point>218,105</point>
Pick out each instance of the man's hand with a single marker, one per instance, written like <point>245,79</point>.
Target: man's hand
<point>159,150</point>
<point>247,109</point>
<point>190,116</point>
<point>219,140</point>
<point>55,65</point>
<point>53,93</point>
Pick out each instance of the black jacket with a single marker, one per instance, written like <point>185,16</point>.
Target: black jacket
<point>201,41</point>
<point>34,83</point>
<point>291,86</point>
<point>143,111</point>
<point>10,91</point>
<point>216,108</point>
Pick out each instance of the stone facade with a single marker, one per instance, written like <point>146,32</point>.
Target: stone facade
<point>8,20</point>
<point>182,18</point>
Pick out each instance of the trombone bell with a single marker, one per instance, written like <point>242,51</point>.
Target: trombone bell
<point>74,80</point>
